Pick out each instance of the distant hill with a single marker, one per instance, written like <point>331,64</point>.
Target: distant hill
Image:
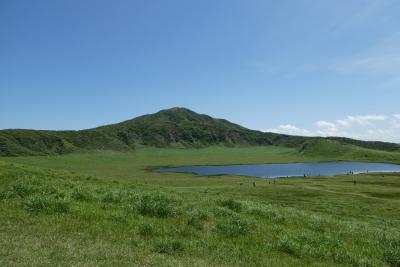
<point>176,127</point>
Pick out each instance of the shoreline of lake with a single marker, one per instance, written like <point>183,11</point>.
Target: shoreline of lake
<point>286,170</point>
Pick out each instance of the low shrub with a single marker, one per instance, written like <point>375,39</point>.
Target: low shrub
<point>230,204</point>
<point>81,194</point>
<point>112,197</point>
<point>154,204</point>
<point>146,229</point>
<point>59,195</point>
<point>315,245</point>
<point>392,253</point>
<point>46,204</point>
<point>269,213</point>
<point>48,190</point>
<point>7,195</point>
<point>168,246</point>
<point>222,212</point>
<point>236,226</point>
<point>23,188</point>
<point>277,229</point>
<point>288,245</point>
<point>197,218</point>
<point>316,223</point>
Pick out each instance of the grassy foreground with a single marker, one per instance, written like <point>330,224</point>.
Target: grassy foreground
<point>109,209</point>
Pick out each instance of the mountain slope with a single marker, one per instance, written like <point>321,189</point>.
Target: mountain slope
<point>183,127</point>
<point>176,127</point>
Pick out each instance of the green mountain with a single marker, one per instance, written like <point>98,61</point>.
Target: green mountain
<point>176,127</point>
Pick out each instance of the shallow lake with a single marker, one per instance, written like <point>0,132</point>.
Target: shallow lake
<point>287,169</point>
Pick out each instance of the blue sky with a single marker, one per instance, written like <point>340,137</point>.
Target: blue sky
<point>302,67</point>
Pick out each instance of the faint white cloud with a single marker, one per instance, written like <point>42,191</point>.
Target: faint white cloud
<point>340,126</point>
<point>366,127</point>
<point>361,120</point>
<point>325,124</point>
<point>289,129</point>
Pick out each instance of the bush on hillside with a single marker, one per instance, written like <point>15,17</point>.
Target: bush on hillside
<point>236,226</point>
<point>81,194</point>
<point>168,246</point>
<point>112,197</point>
<point>46,204</point>
<point>23,188</point>
<point>230,204</point>
<point>197,218</point>
<point>146,229</point>
<point>155,204</point>
<point>392,253</point>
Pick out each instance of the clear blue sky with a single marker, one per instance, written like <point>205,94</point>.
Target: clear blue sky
<point>303,67</point>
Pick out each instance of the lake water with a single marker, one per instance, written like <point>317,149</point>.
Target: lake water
<point>287,169</point>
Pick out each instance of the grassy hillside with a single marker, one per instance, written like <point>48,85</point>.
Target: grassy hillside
<point>31,142</point>
<point>177,127</point>
<point>109,209</point>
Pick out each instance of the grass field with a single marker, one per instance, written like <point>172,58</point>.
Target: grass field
<point>109,209</point>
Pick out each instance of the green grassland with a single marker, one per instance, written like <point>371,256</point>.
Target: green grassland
<point>108,208</point>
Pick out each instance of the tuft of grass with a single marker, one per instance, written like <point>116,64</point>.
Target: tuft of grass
<point>154,204</point>
<point>197,218</point>
<point>315,245</point>
<point>48,190</point>
<point>392,253</point>
<point>287,245</point>
<point>112,197</point>
<point>222,212</point>
<point>269,213</point>
<point>316,223</point>
<point>81,194</point>
<point>6,195</point>
<point>146,229</point>
<point>23,188</point>
<point>168,246</point>
<point>46,204</point>
<point>273,214</point>
<point>231,204</point>
<point>236,226</point>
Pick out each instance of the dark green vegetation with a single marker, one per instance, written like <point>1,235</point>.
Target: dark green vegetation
<point>109,209</point>
<point>177,127</point>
